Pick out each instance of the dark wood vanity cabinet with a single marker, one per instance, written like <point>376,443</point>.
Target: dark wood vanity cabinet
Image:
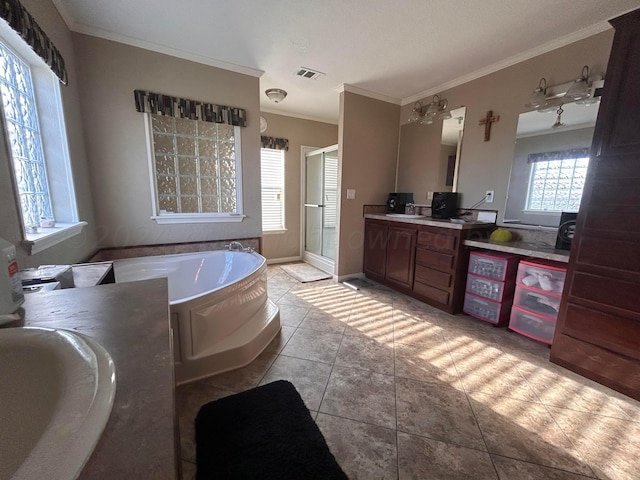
<point>441,263</point>
<point>390,250</point>
<point>426,262</point>
<point>598,330</point>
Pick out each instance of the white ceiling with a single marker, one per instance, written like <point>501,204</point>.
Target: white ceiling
<point>397,51</point>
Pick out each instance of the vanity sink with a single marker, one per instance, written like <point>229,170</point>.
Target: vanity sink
<point>405,215</point>
<point>57,393</point>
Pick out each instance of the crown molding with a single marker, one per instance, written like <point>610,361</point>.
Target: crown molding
<point>521,57</point>
<point>134,42</point>
<point>345,87</point>
<point>298,115</point>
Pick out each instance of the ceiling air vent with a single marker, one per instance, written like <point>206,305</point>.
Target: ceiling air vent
<point>305,72</point>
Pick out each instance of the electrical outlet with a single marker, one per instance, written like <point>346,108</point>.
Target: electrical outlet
<point>351,193</point>
<point>488,198</point>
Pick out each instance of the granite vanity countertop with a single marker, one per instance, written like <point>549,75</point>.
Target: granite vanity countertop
<point>130,320</point>
<point>432,222</point>
<point>522,248</point>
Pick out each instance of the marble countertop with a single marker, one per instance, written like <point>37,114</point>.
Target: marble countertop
<point>131,320</point>
<point>432,222</point>
<point>522,248</point>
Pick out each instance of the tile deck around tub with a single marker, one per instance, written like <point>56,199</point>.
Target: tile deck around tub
<point>401,390</point>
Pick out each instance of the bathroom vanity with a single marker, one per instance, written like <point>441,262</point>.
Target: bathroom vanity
<point>131,321</point>
<point>421,257</point>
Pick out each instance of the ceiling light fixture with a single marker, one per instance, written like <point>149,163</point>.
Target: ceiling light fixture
<point>276,95</point>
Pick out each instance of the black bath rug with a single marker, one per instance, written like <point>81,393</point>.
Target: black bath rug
<point>265,433</point>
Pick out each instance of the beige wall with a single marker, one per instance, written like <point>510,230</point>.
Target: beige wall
<point>368,139</point>
<point>116,143</point>
<point>82,246</point>
<point>486,165</point>
<point>300,133</point>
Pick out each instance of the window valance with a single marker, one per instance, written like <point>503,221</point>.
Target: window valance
<point>274,143</point>
<point>559,155</point>
<point>149,102</point>
<point>25,25</point>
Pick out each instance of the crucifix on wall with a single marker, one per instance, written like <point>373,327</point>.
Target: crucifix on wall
<point>487,121</point>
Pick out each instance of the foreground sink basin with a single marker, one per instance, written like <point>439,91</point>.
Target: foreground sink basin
<point>56,397</point>
<point>405,215</point>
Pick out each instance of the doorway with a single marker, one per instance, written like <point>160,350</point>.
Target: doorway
<point>320,208</point>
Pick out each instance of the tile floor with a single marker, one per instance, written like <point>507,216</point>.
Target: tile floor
<point>404,391</point>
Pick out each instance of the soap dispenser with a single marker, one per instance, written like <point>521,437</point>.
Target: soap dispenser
<point>11,295</point>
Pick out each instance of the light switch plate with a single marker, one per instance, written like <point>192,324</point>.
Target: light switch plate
<point>351,193</point>
<point>429,195</point>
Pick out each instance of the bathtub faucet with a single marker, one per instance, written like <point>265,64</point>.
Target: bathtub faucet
<point>235,247</point>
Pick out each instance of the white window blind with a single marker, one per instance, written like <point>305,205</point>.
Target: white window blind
<point>272,168</point>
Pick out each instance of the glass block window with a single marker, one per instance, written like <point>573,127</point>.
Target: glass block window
<point>196,166</point>
<point>23,130</point>
<point>556,185</point>
<point>272,182</point>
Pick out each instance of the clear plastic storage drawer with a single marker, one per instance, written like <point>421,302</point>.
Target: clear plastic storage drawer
<point>529,324</point>
<point>545,303</point>
<point>542,276</point>
<point>497,266</point>
<point>487,288</point>
<point>487,310</point>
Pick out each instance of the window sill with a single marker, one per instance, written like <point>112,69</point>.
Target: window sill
<point>48,237</point>
<point>274,232</point>
<point>175,218</point>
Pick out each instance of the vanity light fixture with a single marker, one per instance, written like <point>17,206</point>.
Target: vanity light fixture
<point>416,113</point>
<point>579,89</point>
<point>437,109</point>
<point>539,95</point>
<point>276,95</point>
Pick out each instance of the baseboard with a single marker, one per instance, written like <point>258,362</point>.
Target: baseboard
<point>273,261</point>
<point>342,278</point>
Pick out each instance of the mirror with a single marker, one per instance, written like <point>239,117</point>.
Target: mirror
<point>429,156</point>
<point>549,164</point>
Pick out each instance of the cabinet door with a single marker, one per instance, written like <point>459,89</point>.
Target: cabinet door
<point>375,249</point>
<point>401,255</point>
<point>598,329</point>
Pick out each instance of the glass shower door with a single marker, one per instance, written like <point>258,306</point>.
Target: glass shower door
<point>321,207</point>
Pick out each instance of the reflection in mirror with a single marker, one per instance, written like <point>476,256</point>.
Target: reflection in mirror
<point>549,164</point>
<point>451,143</point>
<point>429,156</point>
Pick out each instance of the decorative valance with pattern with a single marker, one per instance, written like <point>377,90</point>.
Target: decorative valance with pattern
<point>25,25</point>
<point>274,143</point>
<point>149,102</point>
<point>572,154</point>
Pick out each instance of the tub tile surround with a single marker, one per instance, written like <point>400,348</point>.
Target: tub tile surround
<point>408,391</point>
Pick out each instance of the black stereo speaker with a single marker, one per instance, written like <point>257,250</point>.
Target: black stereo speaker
<point>444,205</point>
<point>397,202</point>
<point>566,230</point>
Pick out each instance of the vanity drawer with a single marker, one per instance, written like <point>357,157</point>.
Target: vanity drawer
<point>433,277</point>
<point>436,239</point>
<point>431,293</point>
<point>435,260</point>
